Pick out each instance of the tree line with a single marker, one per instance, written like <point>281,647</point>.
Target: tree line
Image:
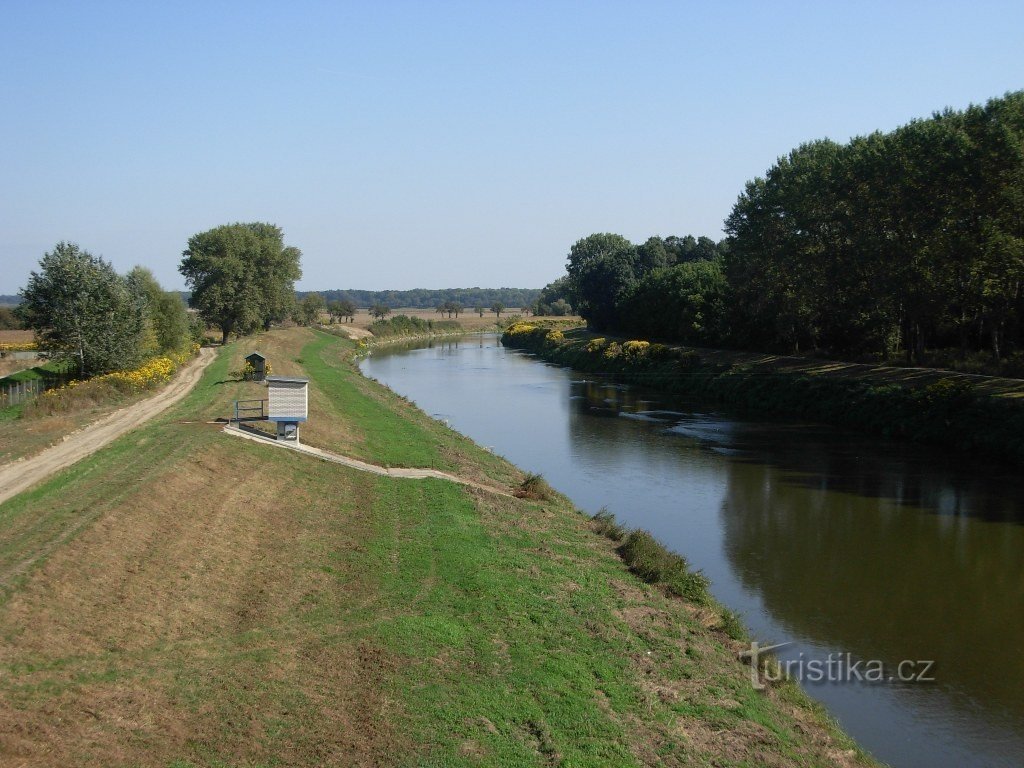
<point>892,243</point>
<point>425,298</point>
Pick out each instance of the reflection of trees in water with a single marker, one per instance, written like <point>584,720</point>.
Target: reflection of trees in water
<point>861,574</point>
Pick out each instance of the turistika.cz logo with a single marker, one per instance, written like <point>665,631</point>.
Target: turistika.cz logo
<point>834,668</point>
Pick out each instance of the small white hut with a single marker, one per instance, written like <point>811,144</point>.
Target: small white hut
<point>287,405</point>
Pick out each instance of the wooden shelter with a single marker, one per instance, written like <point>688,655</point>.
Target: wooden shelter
<point>259,364</point>
<point>287,405</point>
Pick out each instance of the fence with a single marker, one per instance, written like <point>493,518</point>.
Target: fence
<point>17,392</point>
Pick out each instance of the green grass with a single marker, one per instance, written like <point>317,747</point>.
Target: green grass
<point>389,438</point>
<point>48,370</point>
<point>375,619</point>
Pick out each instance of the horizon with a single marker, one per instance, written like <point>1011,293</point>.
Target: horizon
<point>405,146</point>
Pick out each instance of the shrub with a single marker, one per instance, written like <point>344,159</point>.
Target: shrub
<point>652,562</point>
<point>554,337</point>
<point>533,487</point>
<point>659,352</point>
<point>596,345</point>
<point>635,350</point>
<point>612,351</point>
<point>604,524</point>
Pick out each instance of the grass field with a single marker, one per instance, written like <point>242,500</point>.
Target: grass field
<point>183,598</point>
<point>469,320</point>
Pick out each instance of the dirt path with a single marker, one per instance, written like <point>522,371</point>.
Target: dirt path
<point>355,332</point>
<point>363,466</point>
<point>22,475</point>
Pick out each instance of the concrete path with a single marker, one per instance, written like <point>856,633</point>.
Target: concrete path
<point>362,466</point>
<point>21,475</point>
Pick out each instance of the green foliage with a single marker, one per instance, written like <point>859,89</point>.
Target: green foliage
<point>380,311</point>
<point>342,309</point>
<point>9,320</point>
<point>424,298</point>
<point>309,308</point>
<point>904,240</point>
<point>533,487</point>
<point>403,325</point>
<point>604,524</point>
<point>601,269</point>
<point>653,563</point>
<point>83,311</point>
<point>242,276</point>
<point>893,243</point>
<point>685,302</point>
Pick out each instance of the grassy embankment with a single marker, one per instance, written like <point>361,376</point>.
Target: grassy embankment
<point>982,415</point>
<point>183,598</point>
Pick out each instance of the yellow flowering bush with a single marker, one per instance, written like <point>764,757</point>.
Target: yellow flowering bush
<point>18,346</point>
<point>596,345</point>
<point>612,351</point>
<point>635,350</point>
<point>554,336</point>
<point>520,329</point>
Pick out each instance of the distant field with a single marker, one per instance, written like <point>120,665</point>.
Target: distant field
<point>16,337</point>
<point>470,320</point>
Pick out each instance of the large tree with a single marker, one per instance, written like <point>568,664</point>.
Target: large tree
<point>83,311</point>
<point>601,268</point>
<point>242,276</point>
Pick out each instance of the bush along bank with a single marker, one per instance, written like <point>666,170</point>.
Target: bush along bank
<point>949,412</point>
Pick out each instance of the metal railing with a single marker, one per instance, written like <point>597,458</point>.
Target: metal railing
<point>250,410</point>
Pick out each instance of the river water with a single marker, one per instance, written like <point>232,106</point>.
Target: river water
<point>850,548</point>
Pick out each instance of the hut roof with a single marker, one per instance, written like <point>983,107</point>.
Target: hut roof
<point>255,354</point>
<point>286,380</point>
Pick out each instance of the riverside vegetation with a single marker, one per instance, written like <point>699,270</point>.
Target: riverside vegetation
<point>185,599</point>
<point>934,407</point>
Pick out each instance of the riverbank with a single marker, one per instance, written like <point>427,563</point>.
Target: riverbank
<point>962,412</point>
<point>182,597</point>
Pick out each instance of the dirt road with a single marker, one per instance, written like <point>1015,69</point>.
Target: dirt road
<point>22,475</point>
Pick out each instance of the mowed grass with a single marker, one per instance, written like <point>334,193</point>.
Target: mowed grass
<point>184,598</point>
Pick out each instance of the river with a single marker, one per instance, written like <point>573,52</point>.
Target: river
<point>835,542</point>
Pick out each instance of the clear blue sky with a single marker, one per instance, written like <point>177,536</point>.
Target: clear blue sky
<point>433,144</point>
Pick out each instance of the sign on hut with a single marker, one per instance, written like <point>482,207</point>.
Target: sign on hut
<point>259,365</point>
<point>287,404</point>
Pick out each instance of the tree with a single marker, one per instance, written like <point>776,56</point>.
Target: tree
<point>479,309</point>
<point>497,308</point>
<point>348,309</point>
<point>165,317</point>
<point>83,311</point>
<point>600,270</point>
<point>309,309</point>
<point>526,309</point>
<point>241,275</point>
<point>380,311</point>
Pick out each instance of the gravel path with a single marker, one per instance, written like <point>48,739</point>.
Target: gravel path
<point>21,475</point>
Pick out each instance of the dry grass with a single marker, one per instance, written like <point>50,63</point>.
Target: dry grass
<point>469,320</point>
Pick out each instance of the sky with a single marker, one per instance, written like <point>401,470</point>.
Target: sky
<point>437,144</point>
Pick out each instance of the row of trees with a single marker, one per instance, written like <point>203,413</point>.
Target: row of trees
<point>616,285</point>
<point>85,313</point>
<point>891,243</point>
<point>424,298</point>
